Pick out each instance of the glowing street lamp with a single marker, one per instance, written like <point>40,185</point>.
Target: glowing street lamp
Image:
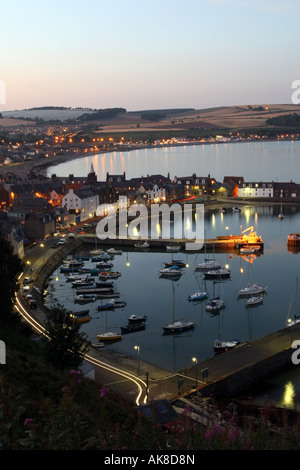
<point>194,359</point>
<point>138,350</point>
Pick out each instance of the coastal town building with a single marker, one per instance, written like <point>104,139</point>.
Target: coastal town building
<point>256,189</point>
<point>82,202</point>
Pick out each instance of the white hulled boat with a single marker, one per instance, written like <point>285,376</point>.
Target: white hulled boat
<point>252,289</point>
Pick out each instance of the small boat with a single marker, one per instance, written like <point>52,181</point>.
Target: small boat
<point>111,305</point>
<point>236,209</point>
<point>76,277</point>
<point>96,252</point>
<point>215,304</point>
<point>108,295</point>
<point>83,282</point>
<point>254,300</point>
<point>104,284</point>
<point>249,249</point>
<point>109,337</point>
<point>219,273</point>
<point>136,319</point>
<point>133,328</point>
<point>84,270</point>
<point>104,265</point>
<point>142,245</point>
<point>84,298</point>
<point>113,251</point>
<point>208,265</point>
<point>197,296</point>
<point>173,248</point>
<point>178,326</point>
<point>176,262</point>
<point>251,289</point>
<point>223,210</point>
<point>69,268</point>
<point>222,346</point>
<point>172,271</point>
<point>104,257</point>
<point>109,275</point>
<point>80,318</point>
<point>281,216</point>
<point>82,258</point>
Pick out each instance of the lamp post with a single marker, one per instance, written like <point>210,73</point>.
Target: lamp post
<point>194,359</point>
<point>138,350</point>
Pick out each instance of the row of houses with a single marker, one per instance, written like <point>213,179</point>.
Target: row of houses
<point>35,208</point>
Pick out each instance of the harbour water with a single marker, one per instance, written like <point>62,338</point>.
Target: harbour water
<point>256,161</point>
<point>148,294</point>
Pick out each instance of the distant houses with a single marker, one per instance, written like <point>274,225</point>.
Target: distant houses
<point>277,191</point>
<point>35,208</point>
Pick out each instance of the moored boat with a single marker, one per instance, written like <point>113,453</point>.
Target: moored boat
<point>197,296</point>
<point>174,248</point>
<point>84,298</point>
<point>170,272</point>
<point>109,337</point>
<point>218,273</point>
<point>142,245</point>
<point>215,304</point>
<point>109,275</point>
<point>178,326</point>
<point>111,305</point>
<point>208,264</point>
<point>137,319</point>
<point>222,346</point>
<point>254,300</point>
<point>133,328</point>
<point>114,251</point>
<point>252,288</point>
<point>176,262</point>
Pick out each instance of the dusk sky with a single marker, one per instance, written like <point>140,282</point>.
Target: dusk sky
<point>148,54</point>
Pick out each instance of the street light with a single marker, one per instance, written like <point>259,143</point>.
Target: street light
<point>138,350</point>
<point>194,359</point>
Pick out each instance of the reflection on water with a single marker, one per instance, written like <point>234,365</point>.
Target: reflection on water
<point>148,294</point>
<point>280,160</point>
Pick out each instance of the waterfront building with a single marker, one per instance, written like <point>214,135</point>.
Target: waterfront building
<point>83,202</point>
<point>256,189</point>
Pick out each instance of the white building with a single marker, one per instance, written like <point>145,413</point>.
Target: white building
<point>156,194</point>
<point>255,189</point>
<point>83,202</point>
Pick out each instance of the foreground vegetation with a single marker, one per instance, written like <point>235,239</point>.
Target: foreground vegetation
<point>46,403</point>
<point>44,409</point>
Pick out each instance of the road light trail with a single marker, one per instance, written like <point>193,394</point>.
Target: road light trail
<point>127,375</point>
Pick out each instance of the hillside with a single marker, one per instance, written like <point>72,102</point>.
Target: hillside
<point>121,120</point>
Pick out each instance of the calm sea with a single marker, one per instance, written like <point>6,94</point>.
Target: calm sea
<point>162,299</point>
<point>257,161</point>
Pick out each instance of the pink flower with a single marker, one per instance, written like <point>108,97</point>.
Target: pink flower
<point>104,391</point>
<point>28,421</point>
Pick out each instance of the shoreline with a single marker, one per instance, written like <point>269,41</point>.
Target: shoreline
<point>40,166</point>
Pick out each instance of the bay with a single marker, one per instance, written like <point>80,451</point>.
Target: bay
<point>255,161</point>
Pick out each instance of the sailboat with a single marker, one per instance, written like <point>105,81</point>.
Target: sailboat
<point>209,263</point>
<point>177,326</point>
<point>199,295</point>
<point>108,336</point>
<point>216,303</point>
<point>296,318</point>
<point>252,288</point>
